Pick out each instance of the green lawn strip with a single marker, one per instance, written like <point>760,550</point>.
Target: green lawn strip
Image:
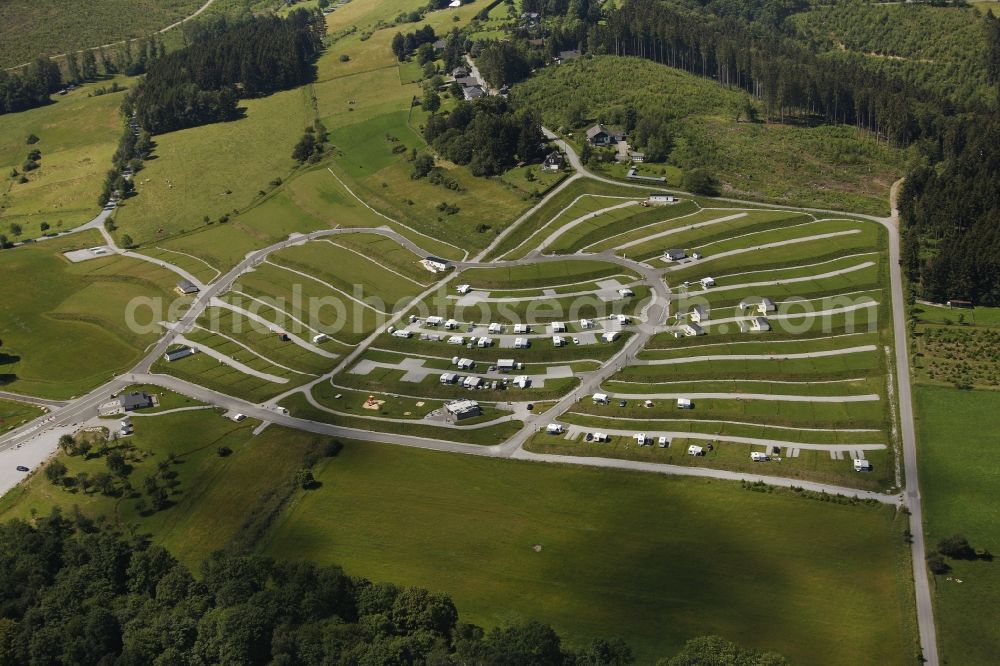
<point>13,414</point>
<point>535,310</point>
<point>488,436</point>
<point>214,493</point>
<point>865,280</point>
<point>796,270</point>
<point>790,345</point>
<point>266,342</point>
<point>193,265</point>
<point>616,222</point>
<point>388,253</point>
<point>746,424</point>
<point>653,559</point>
<point>246,357</point>
<point>557,203</point>
<point>216,376</point>
<point>541,274</point>
<point>940,314</point>
<point>959,458</point>
<point>571,288</point>
<point>389,380</point>
<point>541,350</point>
<point>812,251</point>
<point>346,270</point>
<point>303,306</point>
<point>864,383</point>
<point>810,465</point>
<point>847,366</point>
<point>766,412</point>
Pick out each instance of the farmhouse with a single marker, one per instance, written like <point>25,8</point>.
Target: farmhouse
<point>180,352</point>
<point>435,264</point>
<point>463,409</point>
<point>599,135</point>
<point>658,199</point>
<point>674,255</point>
<point>472,92</point>
<point>186,287</point>
<point>694,450</point>
<point>135,400</point>
<point>554,161</point>
<point>699,313</point>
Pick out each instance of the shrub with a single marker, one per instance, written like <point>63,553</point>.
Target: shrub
<point>937,565</point>
<point>956,547</point>
<point>31,140</point>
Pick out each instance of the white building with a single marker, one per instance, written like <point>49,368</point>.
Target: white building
<point>586,323</point>
<point>759,324</point>
<point>758,456</point>
<point>434,321</point>
<point>707,282</point>
<point>640,439</point>
<point>674,255</point>
<point>506,364</point>
<point>451,324</point>
<point>448,378</point>
<point>554,429</point>
<point>522,381</point>
<point>692,330</point>
<point>663,441</point>
<point>484,342</point>
<point>699,313</point>
<point>472,382</point>
<point>463,409</point>
<point>402,333</point>
<point>465,364</point>
<point>660,199</point>
<point>321,337</point>
<point>625,292</point>
<point>521,328</point>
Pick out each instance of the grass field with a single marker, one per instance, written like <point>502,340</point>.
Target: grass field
<point>31,28</point>
<point>655,560</point>
<point>77,136</point>
<point>13,414</point>
<point>84,303</point>
<point>959,458</point>
<point>215,495</point>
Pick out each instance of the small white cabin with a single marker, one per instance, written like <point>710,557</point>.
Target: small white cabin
<point>448,378</point>
<point>586,323</point>
<point>521,328</point>
<point>456,340</point>
<point>699,313</point>
<point>451,324</point>
<point>641,439</point>
<point>484,342</point>
<point>663,441</point>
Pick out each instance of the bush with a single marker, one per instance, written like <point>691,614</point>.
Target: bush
<point>937,565</point>
<point>344,57</point>
<point>956,547</point>
<point>224,451</point>
<point>422,166</point>
<point>700,181</point>
<point>31,140</point>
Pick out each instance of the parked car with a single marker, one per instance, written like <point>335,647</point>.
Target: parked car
<point>622,403</point>
<point>22,468</point>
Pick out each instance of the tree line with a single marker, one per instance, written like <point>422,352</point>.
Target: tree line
<point>202,83</point>
<point>75,591</point>
<point>488,134</point>
<point>30,88</point>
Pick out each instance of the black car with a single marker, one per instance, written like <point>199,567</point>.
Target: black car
<point>22,468</point>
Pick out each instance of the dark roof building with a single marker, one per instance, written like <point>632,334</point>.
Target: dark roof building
<point>187,287</point>
<point>135,400</point>
<point>599,135</point>
<point>565,56</point>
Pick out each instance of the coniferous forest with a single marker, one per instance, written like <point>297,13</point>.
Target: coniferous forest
<point>29,88</point>
<point>202,83</point>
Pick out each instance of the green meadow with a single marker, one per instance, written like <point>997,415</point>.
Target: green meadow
<point>652,559</point>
